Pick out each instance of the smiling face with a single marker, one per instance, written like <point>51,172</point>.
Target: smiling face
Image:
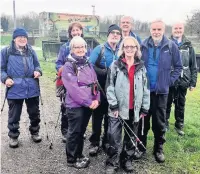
<point>20,41</point>
<point>178,30</point>
<point>79,50</point>
<point>126,24</point>
<point>130,48</point>
<point>76,31</point>
<point>157,31</point>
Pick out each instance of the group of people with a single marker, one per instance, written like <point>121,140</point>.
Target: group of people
<point>121,83</point>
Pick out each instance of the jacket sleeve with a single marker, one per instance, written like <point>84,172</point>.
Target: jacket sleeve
<point>4,74</point>
<point>193,67</point>
<point>63,52</point>
<point>146,94</point>
<point>69,79</point>
<point>36,63</point>
<point>177,64</point>
<point>110,88</point>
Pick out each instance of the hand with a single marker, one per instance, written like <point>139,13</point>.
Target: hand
<point>116,113</point>
<point>94,105</point>
<point>9,82</point>
<point>60,69</point>
<point>142,115</point>
<point>191,88</point>
<point>36,74</point>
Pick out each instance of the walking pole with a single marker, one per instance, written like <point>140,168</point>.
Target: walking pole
<point>136,137</point>
<point>128,134</point>
<point>51,143</point>
<point>6,93</point>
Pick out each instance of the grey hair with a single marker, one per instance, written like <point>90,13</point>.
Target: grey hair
<point>158,20</point>
<point>131,19</point>
<point>121,51</point>
<point>77,40</point>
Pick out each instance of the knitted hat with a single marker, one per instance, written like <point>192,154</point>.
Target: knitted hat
<point>20,32</point>
<point>114,27</point>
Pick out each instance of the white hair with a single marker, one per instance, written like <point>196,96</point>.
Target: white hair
<point>77,40</point>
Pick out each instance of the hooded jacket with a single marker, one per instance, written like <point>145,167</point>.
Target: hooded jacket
<point>20,67</point>
<point>118,89</point>
<point>78,82</point>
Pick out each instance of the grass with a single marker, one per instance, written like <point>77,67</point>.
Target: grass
<point>182,153</point>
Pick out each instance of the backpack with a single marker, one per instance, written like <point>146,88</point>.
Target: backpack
<point>100,56</point>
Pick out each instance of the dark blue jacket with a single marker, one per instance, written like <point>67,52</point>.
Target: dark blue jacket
<point>20,68</point>
<point>168,57</point>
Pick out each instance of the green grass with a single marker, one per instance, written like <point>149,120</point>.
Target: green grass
<point>5,40</point>
<point>182,153</point>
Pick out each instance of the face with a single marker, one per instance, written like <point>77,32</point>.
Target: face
<point>114,36</point>
<point>20,41</point>
<point>178,30</point>
<point>157,31</point>
<point>129,48</point>
<point>76,31</point>
<point>126,24</point>
<point>79,50</point>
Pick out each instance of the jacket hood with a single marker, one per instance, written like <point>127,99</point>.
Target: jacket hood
<point>77,59</point>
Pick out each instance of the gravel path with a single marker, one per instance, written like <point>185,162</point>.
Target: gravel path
<point>31,158</point>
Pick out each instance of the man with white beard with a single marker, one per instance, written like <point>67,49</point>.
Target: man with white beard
<point>159,55</point>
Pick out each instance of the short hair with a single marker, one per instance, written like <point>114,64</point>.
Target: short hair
<point>156,21</point>
<point>121,51</point>
<point>77,40</point>
<point>131,19</point>
<point>72,25</point>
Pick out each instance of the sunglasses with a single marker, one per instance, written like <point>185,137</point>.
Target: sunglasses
<point>115,32</point>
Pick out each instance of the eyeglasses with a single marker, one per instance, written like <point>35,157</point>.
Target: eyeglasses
<point>115,32</point>
<point>129,47</point>
<point>80,47</point>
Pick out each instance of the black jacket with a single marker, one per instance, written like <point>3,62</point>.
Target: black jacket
<point>188,77</point>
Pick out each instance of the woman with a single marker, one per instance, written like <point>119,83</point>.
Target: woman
<point>128,99</point>
<point>75,29</point>
<point>80,81</point>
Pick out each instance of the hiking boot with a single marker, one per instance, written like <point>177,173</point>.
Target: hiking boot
<point>94,150</point>
<point>36,138</point>
<point>127,166</point>
<point>105,147</point>
<point>13,143</point>
<point>179,131</point>
<point>110,169</point>
<point>64,139</point>
<point>159,156</point>
<point>80,163</point>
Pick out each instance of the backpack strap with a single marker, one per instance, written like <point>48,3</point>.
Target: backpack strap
<point>101,55</point>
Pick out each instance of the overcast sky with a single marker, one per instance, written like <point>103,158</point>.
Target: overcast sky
<point>145,10</point>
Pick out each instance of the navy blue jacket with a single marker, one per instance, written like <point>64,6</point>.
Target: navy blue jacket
<point>20,68</point>
<point>168,57</point>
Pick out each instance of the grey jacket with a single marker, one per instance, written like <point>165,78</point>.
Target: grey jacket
<point>117,90</point>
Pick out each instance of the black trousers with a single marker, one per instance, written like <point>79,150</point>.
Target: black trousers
<point>117,151</point>
<point>158,104</point>
<point>78,119</point>
<point>14,113</point>
<point>98,115</point>
<point>178,96</point>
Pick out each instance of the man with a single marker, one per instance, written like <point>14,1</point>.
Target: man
<point>20,70</point>
<point>102,57</point>
<point>126,24</point>
<point>159,54</point>
<point>188,78</point>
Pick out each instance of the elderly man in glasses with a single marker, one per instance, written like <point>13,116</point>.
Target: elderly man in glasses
<point>102,57</point>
